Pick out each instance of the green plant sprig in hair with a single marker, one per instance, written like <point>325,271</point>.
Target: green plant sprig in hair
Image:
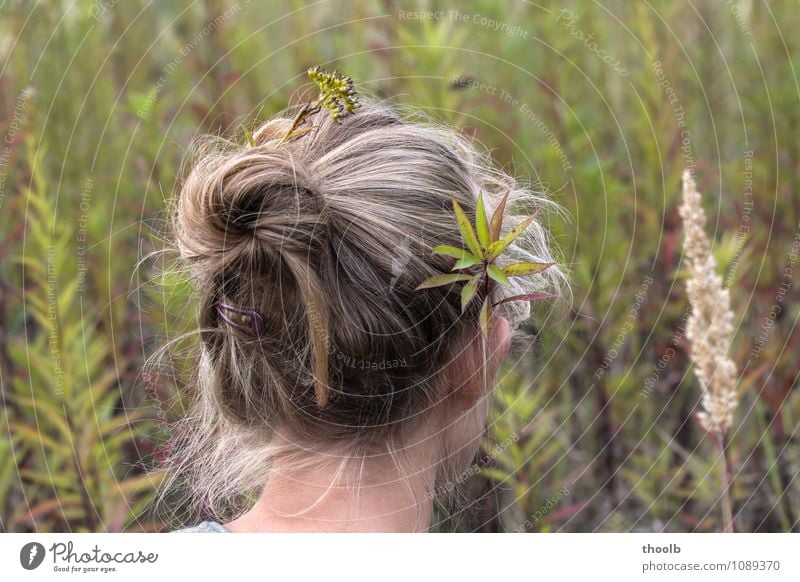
<point>477,263</point>
<point>336,94</point>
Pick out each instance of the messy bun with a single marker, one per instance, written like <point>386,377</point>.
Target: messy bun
<point>324,239</point>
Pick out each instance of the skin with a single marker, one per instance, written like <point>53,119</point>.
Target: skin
<point>388,498</point>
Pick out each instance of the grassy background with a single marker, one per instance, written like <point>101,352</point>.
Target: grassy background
<point>601,103</point>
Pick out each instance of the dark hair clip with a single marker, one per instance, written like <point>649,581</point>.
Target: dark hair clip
<point>248,320</point>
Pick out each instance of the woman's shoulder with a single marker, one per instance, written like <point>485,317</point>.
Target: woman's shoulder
<point>203,527</point>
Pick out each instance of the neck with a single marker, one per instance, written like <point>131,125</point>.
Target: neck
<point>381,493</point>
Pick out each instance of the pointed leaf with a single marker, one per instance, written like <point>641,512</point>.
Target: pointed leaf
<point>302,131</point>
<point>496,249</point>
<point>469,290</point>
<point>454,252</point>
<point>62,503</point>
<point>523,269</point>
<point>440,280</point>
<point>480,223</point>
<point>37,440</point>
<point>497,220</point>
<point>498,275</point>
<point>526,297</point>
<point>486,313</point>
<point>248,136</point>
<point>466,230</point>
<point>139,484</point>
<point>465,262</point>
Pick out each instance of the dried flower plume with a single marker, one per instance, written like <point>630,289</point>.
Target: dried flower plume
<point>710,326</point>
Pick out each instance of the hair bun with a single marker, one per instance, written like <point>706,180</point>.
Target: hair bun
<point>232,200</point>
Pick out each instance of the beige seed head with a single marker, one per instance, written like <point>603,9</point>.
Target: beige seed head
<point>710,326</point>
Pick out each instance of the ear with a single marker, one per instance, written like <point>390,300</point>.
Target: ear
<point>498,346</point>
<point>465,373</point>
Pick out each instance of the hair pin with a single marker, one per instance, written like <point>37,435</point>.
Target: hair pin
<point>248,320</point>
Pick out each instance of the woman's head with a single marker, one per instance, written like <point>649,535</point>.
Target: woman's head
<point>326,239</point>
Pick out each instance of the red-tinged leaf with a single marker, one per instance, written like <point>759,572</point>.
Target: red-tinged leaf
<point>231,79</point>
<point>690,520</point>
<point>497,220</point>
<point>497,275</point>
<point>454,252</point>
<point>565,512</point>
<point>496,249</point>
<point>486,314</point>
<point>440,280</point>
<point>466,230</point>
<point>44,508</point>
<point>481,224</point>
<point>526,297</point>
<point>523,269</point>
<point>469,290</point>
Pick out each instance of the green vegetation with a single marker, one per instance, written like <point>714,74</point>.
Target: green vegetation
<point>601,104</point>
<point>477,265</point>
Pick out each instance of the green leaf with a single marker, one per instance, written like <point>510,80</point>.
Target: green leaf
<point>495,249</point>
<point>49,479</point>
<point>469,290</point>
<point>455,252</point>
<point>466,262</point>
<point>480,223</point>
<point>523,269</point>
<point>43,408</point>
<point>497,220</point>
<point>38,440</point>
<point>486,314</point>
<point>248,136</point>
<point>440,280</point>
<point>498,275</point>
<point>466,230</point>
<point>140,483</point>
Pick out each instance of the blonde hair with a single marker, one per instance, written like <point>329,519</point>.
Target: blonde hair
<point>327,237</point>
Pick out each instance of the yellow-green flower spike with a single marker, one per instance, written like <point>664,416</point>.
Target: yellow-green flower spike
<point>337,94</point>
